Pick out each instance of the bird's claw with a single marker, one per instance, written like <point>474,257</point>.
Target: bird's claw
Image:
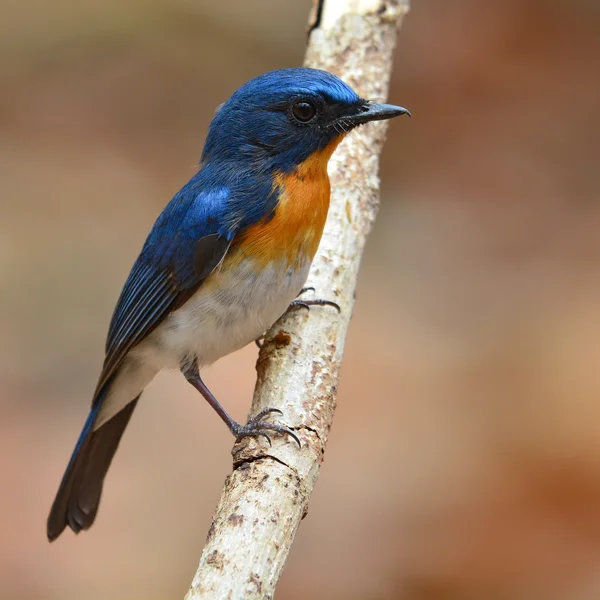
<point>256,426</point>
<point>316,302</point>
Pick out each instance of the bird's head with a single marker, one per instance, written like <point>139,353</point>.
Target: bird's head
<point>278,120</point>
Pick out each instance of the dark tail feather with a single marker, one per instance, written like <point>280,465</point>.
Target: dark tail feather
<point>78,496</point>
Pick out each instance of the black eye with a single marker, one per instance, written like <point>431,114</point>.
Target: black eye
<point>304,111</point>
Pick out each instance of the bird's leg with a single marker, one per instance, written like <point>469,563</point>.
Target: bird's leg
<point>254,427</point>
<point>297,303</point>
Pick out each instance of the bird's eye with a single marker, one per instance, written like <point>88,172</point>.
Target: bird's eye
<point>304,111</point>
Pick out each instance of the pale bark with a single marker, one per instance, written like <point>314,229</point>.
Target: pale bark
<point>267,494</point>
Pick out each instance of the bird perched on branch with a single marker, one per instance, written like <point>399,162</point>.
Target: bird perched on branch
<point>224,260</point>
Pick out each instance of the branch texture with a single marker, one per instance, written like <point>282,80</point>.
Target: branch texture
<point>267,494</point>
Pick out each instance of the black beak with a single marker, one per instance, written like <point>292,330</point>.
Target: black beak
<point>376,112</point>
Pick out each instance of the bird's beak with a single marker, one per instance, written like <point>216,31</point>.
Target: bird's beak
<point>376,112</point>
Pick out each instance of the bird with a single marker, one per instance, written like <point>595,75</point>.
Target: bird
<point>224,260</point>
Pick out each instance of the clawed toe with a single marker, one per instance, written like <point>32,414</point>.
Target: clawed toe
<point>263,413</point>
<point>256,426</point>
<point>316,302</point>
<point>310,288</point>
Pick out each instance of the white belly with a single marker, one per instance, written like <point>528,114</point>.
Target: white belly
<point>231,311</point>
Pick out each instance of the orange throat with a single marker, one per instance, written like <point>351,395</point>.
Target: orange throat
<point>294,231</point>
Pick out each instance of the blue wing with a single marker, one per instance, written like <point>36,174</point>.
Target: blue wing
<point>188,241</point>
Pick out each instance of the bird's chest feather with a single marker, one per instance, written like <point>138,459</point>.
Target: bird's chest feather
<point>293,232</point>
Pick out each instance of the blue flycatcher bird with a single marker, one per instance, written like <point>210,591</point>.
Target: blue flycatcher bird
<point>224,260</point>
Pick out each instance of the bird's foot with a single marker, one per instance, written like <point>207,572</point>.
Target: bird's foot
<point>259,341</point>
<point>257,426</point>
<point>314,302</point>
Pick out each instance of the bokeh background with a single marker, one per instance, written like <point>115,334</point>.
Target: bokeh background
<point>472,364</point>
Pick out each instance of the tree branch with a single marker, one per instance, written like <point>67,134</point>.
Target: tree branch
<point>267,494</point>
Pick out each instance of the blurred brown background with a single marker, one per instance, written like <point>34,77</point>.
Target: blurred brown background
<point>472,365</point>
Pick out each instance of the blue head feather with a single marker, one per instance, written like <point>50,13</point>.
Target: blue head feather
<point>255,126</point>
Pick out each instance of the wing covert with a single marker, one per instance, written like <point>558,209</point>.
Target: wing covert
<point>185,245</point>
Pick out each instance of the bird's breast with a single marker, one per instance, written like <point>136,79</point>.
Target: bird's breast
<point>293,232</point>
